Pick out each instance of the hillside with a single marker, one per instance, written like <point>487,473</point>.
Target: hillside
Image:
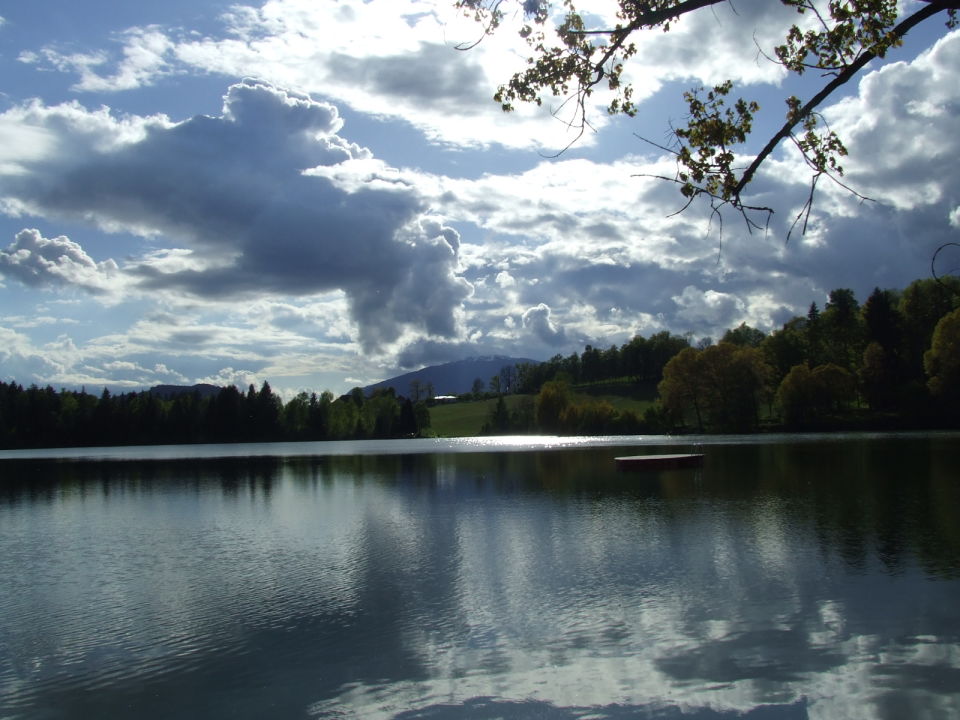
<point>170,391</point>
<point>465,419</point>
<point>453,378</point>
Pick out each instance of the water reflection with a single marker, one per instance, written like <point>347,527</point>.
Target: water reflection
<point>780,581</point>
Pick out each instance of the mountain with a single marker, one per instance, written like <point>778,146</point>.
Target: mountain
<point>452,378</point>
<point>169,391</point>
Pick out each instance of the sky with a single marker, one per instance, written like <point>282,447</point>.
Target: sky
<point>322,195</point>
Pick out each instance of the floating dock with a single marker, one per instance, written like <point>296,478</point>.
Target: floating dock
<point>659,462</point>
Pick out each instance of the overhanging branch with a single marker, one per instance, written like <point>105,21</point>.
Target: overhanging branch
<point>933,7</point>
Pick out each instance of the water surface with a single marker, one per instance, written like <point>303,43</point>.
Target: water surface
<point>788,578</point>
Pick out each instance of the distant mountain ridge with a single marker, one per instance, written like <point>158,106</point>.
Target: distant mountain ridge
<point>170,391</point>
<point>452,378</point>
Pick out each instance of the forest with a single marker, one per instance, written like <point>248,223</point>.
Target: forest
<point>892,362</point>
<point>41,417</point>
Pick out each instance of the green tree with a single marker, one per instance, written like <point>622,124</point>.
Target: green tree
<point>724,386</point>
<point>807,397</point>
<point>881,319</point>
<point>661,347</point>
<point>841,328</point>
<point>415,390</point>
<point>744,335</point>
<point>681,389</point>
<point>736,382</point>
<point>295,417</point>
<point>498,421</point>
<point>942,362</point>
<point>879,377</point>
<point>477,389</point>
<point>381,414</point>
<point>344,417</point>
<point>508,378</point>
<point>570,57</point>
<point>922,304</point>
<point>590,364</point>
<point>422,413</point>
<point>265,414</point>
<point>634,356</point>
<point>319,415</point>
<point>787,346</point>
<point>407,426</point>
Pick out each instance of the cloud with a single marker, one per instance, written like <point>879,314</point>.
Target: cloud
<point>38,261</point>
<point>267,198</point>
<point>408,65</point>
<point>707,310</point>
<point>265,221</point>
<point>955,217</point>
<point>22,361</point>
<point>719,43</point>
<point>902,129</point>
<point>404,64</point>
<point>538,321</point>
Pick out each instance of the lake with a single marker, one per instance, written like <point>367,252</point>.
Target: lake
<point>789,577</point>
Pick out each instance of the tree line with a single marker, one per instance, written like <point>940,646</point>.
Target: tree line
<point>42,417</point>
<point>892,362</point>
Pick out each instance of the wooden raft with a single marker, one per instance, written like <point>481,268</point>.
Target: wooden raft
<point>659,462</point>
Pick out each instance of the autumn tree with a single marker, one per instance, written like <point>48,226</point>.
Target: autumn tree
<point>571,58</point>
<point>552,401</point>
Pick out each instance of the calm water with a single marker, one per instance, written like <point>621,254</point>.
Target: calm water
<point>788,578</point>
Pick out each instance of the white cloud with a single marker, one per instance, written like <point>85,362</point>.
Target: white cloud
<point>539,322</point>
<point>955,217</point>
<point>902,129</point>
<point>228,376</point>
<point>719,43</point>
<point>708,309</point>
<point>38,261</point>
<point>405,64</point>
<point>145,58</point>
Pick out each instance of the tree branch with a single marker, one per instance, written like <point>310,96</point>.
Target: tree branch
<point>933,7</point>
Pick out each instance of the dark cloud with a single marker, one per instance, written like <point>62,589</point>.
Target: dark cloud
<point>433,75</point>
<point>422,353</point>
<point>271,200</point>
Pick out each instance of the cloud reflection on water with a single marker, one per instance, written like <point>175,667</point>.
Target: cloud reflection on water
<point>774,584</point>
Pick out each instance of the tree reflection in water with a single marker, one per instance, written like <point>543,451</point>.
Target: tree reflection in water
<point>786,579</point>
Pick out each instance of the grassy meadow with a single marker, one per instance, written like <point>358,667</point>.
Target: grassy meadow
<point>466,418</point>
